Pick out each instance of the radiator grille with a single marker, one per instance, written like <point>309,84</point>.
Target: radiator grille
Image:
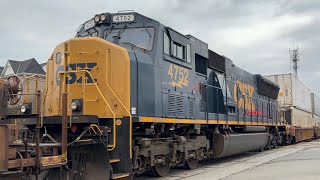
<point>191,108</point>
<point>179,106</point>
<point>171,105</point>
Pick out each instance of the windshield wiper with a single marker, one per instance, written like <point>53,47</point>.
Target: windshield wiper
<point>134,44</point>
<point>117,37</point>
<point>122,30</point>
<point>145,27</point>
<point>107,33</point>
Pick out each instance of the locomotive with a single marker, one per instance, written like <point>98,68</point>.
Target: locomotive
<point>129,95</point>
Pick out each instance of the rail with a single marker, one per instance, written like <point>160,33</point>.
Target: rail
<point>83,72</point>
<point>125,108</point>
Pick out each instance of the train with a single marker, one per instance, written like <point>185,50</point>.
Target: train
<point>129,95</point>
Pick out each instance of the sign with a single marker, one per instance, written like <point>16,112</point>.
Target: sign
<point>178,75</point>
<point>76,77</point>
<point>123,18</point>
<point>245,94</point>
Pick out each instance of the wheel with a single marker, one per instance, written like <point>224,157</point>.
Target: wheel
<point>191,163</point>
<point>160,170</point>
<point>268,146</point>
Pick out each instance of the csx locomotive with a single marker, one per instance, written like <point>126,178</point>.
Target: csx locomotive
<point>129,95</point>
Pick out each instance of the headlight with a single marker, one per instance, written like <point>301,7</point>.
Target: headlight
<point>102,18</point>
<point>97,18</point>
<point>25,108</point>
<point>76,105</point>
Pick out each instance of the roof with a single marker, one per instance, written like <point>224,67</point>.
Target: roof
<point>43,64</point>
<point>27,66</point>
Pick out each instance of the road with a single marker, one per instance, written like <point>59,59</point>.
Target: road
<point>299,161</point>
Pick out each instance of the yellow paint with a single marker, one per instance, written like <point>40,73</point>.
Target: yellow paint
<point>112,68</point>
<point>200,121</point>
<point>245,101</point>
<point>178,75</point>
<point>104,87</point>
<point>280,94</point>
<point>114,160</point>
<point>121,176</point>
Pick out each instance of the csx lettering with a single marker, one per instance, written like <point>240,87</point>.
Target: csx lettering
<point>74,77</point>
<point>178,75</point>
<point>245,96</point>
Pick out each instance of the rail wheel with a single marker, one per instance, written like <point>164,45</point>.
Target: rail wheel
<point>191,163</point>
<point>161,170</point>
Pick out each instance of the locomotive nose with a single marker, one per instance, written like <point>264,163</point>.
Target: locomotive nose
<point>95,73</point>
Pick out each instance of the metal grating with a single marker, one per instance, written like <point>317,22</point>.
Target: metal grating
<point>179,106</point>
<point>171,105</point>
<point>191,108</point>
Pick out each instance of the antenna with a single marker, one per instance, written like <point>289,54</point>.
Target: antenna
<point>294,59</point>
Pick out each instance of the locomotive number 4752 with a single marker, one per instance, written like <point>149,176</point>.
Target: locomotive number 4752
<point>178,76</point>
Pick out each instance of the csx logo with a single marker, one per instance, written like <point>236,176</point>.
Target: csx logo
<point>74,77</point>
<point>244,97</point>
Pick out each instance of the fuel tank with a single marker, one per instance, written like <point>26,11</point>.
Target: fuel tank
<point>226,145</point>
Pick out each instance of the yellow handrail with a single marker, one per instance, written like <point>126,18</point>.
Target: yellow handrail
<point>130,116</point>
<point>130,139</point>
<point>104,99</point>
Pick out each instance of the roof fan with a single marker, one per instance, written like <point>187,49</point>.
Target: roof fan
<point>14,89</point>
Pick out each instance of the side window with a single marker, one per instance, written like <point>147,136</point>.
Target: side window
<point>188,53</point>
<point>201,64</point>
<point>166,43</point>
<point>179,51</point>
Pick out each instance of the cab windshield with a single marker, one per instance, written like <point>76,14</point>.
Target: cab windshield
<point>138,37</point>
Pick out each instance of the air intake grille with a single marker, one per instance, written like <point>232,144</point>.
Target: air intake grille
<point>191,107</point>
<point>179,106</point>
<point>171,105</point>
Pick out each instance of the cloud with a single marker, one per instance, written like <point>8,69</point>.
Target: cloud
<point>255,34</point>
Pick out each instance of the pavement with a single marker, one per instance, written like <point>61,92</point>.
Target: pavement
<point>299,161</point>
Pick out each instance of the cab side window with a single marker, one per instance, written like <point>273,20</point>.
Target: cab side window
<point>175,49</point>
<point>166,43</point>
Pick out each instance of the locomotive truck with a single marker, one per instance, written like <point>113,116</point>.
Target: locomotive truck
<point>129,95</point>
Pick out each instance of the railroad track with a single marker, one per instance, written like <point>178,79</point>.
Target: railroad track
<point>228,165</point>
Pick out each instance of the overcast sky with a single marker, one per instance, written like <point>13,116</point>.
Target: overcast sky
<point>256,35</point>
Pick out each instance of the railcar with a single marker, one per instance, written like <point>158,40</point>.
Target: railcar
<point>129,95</point>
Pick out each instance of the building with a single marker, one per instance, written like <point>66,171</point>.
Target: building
<point>18,67</point>
<point>44,66</point>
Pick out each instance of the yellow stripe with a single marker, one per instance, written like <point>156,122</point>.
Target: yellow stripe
<point>201,121</point>
<point>121,176</point>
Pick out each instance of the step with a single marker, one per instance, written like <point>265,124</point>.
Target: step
<point>114,160</point>
<point>120,175</point>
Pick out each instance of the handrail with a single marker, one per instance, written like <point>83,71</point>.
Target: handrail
<point>104,99</point>
<point>130,116</point>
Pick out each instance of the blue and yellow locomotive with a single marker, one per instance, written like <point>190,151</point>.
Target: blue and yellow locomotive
<point>129,95</point>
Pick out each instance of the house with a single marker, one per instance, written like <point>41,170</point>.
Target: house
<point>44,66</point>
<point>18,67</point>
